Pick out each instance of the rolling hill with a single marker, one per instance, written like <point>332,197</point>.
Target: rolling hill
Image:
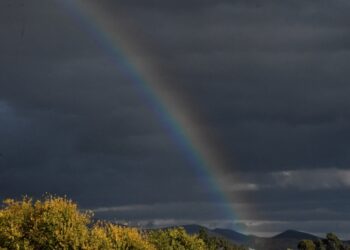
<point>284,240</point>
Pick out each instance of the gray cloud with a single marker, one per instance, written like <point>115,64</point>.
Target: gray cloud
<point>306,179</point>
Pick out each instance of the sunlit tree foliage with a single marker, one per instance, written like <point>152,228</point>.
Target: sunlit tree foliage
<point>57,223</point>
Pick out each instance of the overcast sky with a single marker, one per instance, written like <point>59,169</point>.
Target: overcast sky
<point>269,79</point>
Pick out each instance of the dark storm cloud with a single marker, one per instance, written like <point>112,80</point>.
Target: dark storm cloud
<point>269,79</point>
<point>277,76</point>
<point>276,72</point>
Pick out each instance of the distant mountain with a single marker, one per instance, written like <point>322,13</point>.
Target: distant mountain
<point>228,234</point>
<point>284,240</point>
<point>232,235</point>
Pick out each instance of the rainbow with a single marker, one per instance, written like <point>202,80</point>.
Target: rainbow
<point>179,122</point>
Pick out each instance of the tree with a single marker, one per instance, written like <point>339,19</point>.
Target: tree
<point>306,245</point>
<point>319,245</point>
<point>55,223</point>
<point>215,243</point>
<point>175,239</point>
<point>332,242</point>
<point>109,236</point>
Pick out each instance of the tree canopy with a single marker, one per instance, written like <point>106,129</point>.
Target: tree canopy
<point>57,223</point>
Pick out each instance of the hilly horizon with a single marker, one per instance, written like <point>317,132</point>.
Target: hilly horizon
<point>235,234</point>
<point>284,240</point>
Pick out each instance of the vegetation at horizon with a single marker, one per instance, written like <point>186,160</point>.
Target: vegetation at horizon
<point>57,223</point>
<point>331,242</point>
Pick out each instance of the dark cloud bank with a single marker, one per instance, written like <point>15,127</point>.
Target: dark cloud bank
<point>269,78</point>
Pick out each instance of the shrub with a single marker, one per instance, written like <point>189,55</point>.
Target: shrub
<point>56,223</point>
<point>16,222</point>
<point>175,239</point>
<point>109,236</point>
<point>332,242</point>
<point>306,245</point>
<point>216,242</point>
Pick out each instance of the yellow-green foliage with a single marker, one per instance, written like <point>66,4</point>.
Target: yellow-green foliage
<point>15,224</point>
<point>56,223</point>
<point>59,224</point>
<point>175,239</point>
<point>306,245</point>
<point>109,236</point>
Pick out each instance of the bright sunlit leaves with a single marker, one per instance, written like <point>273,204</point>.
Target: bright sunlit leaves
<point>57,223</point>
